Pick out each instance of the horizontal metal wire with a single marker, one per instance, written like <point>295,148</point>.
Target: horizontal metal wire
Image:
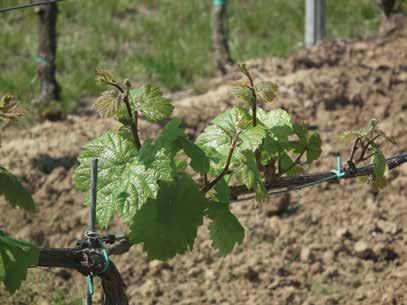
<point>23,6</point>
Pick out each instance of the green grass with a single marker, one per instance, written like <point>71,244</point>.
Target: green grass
<point>164,41</point>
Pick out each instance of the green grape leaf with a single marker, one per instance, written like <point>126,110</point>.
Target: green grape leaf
<point>302,132</point>
<point>225,229</point>
<point>122,116</point>
<point>158,158</point>
<point>267,91</point>
<point>124,183</point>
<point>104,76</point>
<point>149,100</point>
<point>252,137</point>
<point>270,149</point>
<point>287,165</point>
<point>181,165</point>
<point>314,149</point>
<point>167,225</point>
<point>214,140</point>
<point>232,120</point>
<point>277,121</point>
<point>159,154</point>
<point>108,103</point>
<point>379,183</point>
<point>222,191</point>
<point>15,257</point>
<point>199,161</point>
<point>380,165</point>
<point>278,128</point>
<point>172,131</point>
<point>14,192</point>
<point>349,135</point>
<point>249,175</point>
<point>243,92</point>
<point>308,142</point>
<point>361,133</point>
<point>217,138</point>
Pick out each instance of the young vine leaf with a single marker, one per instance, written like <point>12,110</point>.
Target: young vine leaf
<point>242,91</point>
<point>15,257</point>
<point>217,138</point>
<point>266,91</point>
<point>380,169</point>
<point>366,142</point>
<point>361,133</point>
<point>150,101</point>
<point>108,104</point>
<point>248,174</point>
<point>105,77</point>
<point>308,142</point>
<point>277,122</point>
<point>168,225</point>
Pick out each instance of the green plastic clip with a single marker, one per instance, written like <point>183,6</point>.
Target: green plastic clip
<point>106,257</point>
<point>89,281</point>
<point>339,171</point>
<point>219,2</point>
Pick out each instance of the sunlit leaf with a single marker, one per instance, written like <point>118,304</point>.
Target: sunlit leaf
<point>150,101</point>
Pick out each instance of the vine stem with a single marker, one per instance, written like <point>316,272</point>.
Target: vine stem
<point>134,119</point>
<point>355,147</point>
<point>257,153</point>
<point>254,105</point>
<point>134,125</point>
<point>225,171</point>
<point>296,162</point>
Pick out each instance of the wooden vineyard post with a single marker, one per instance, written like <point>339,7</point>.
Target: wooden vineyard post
<point>387,6</point>
<point>47,48</point>
<point>219,36</point>
<point>314,21</point>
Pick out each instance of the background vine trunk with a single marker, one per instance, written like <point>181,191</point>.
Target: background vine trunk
<point>220,38</point>
<point>47,48</point>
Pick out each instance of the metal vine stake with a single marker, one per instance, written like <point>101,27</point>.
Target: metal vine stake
<point>92,222</point>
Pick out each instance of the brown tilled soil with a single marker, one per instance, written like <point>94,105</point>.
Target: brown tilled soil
<point>338,243</point>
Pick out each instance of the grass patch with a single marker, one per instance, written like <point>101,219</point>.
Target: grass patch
<point>164,41</point>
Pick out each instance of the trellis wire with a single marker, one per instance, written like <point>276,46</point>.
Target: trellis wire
<point>23,6</point>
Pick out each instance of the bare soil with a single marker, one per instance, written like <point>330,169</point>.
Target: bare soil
<point>338,243</point>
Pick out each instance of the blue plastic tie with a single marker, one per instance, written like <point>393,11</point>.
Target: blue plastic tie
<point>106,257</point>
<point>40,60</point>
<point>219,2</point>
<point>89,281</point>
<point>339,171</point>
